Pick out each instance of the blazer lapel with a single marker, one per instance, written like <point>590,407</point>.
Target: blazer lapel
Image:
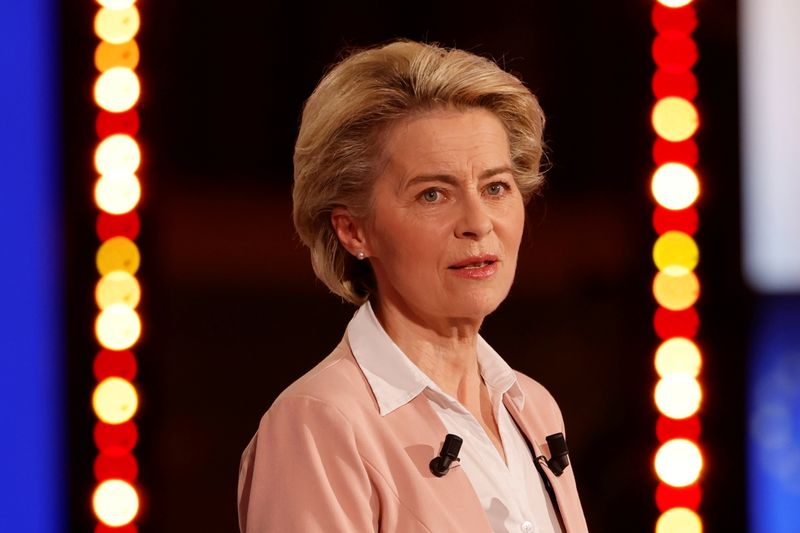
<point>535,430</point>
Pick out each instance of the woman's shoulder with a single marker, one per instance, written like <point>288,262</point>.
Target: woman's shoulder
<point>536,394</point>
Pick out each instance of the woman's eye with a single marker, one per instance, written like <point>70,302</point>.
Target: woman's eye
<point>431,195</point>
<point>496,189</point>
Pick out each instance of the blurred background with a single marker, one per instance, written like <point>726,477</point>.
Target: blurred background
<point>231,311</point>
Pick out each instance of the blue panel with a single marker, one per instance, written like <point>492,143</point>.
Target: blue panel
<point>32,441</point>
<point>774,418</point>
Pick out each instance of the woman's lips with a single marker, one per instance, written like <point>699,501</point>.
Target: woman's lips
<point>476,267</point>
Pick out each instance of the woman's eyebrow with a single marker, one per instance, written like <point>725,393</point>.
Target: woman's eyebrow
<point>452,180</point>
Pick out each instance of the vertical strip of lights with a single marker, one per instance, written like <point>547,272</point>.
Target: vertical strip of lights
<point>675,188</point>
<point>117,192</point>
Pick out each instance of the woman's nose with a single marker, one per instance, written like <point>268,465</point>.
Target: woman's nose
<point>474,221</point>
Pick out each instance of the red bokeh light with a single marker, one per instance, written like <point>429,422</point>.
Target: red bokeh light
<point>670,428</point>
<point>674,51</point>
<point>670,324</point>
<point>127,528</point>
<point>111,363</point>
<point>682,83</point>
<point>109,225</point>
<point>115,439</point>
<point>108,123</point>
<point>685,220</point>
<point>680,19</point>
<point>684,152</point>
<point>668,497</point>
<point>122,467</point>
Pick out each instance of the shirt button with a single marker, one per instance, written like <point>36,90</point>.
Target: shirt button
<point>526,527</point>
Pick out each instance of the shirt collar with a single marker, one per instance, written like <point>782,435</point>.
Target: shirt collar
<point>395,380</point>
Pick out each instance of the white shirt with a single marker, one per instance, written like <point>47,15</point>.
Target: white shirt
<point>513,494</point>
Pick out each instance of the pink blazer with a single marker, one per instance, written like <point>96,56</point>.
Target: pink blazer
<point>324,459</point>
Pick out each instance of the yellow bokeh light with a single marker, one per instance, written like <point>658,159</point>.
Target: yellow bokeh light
<point>678,356</point>
<point>117,25</point>
<point>115,400</point>
<point>675,119</point>
<point>678,396</point>
<point>118,327</point>
<point>117,194</point>
<point>108,55</point>
<point>675,253</point>
<point>115,502</point>
<point>118,154</point>
<point>117,89</point>
<point>118,253</point>
<point>676,293</point>
<point>679,520</point>
<point>675,186</point>
<point>116,4</point>
<point>117,287</point>
<point>678,462</point>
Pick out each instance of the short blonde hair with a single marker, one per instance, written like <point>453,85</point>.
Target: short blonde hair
<point>359,99</point>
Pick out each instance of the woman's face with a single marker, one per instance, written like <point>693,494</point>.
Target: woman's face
<point>447,217</point>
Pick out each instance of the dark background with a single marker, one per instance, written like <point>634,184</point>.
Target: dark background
<point>232,310</point>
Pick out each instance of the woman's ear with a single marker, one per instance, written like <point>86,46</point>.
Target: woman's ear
<point>350,231</point>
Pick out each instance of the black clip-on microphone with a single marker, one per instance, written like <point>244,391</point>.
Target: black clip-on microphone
<point>441,465</point>
<point>559,455</point>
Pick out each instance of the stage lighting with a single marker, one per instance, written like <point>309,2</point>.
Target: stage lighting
<point>115,502</point>
<point>118,327</point>
<point>679,462</point>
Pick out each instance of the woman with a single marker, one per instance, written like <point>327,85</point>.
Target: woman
<point>412,168</point>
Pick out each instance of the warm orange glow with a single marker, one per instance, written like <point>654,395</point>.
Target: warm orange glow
<point>117,253</point>
<point>108,55</point>
<point>118,327</point>
<point>675,253</point>
<point>117,287</point>
<point>676,293</point>
<point>118,154</point>
<point>675,186</point>
<point>115,400</point>
<point>675,119</point>
<point>117,89</point>
<point>678,396</point>
<point>678,356</point>
<point>115,502</point>
<point>116,4</point>
<point>117,194</point>
<point>117,25</point>
<point>679,520</point>
<point>678,462</point>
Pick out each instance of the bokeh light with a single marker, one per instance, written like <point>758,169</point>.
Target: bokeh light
<point>675,253</point>
<point>683,20</point>
<point>683,84</point>
<point>115,400</point>
<point>675,3</point>
<point>115,439</point>
<point>108,55</point>
<point>685,152</point>
<point>678,396</point>
<point>127,528</point>
<point>679,520</point>
<point>684,323</point>
<point>118,327</point>
<point>117,193</point>
<point>117,155</point>
<point>676,293</point>
<point>674,51</point>
<point>117,25</point>
<point>117,287</point>
<point>115,363</point>
<point>116,4</point>
<point>117,253</point>
<point>675,186</point>
<point>671,428</point>
<point>117,89</point>
<point>668,497</point>
<point>122,467</point>
<point>678,462</point>
<point>678,356</point>
<point>115,502</point>
<point>685,220</point>
<point>109,226</point>
<point>108,123</point>
<point>675,118</point>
